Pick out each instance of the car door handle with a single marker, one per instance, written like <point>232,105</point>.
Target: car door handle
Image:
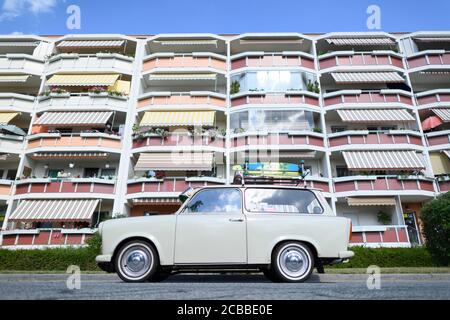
<point>236,219</point>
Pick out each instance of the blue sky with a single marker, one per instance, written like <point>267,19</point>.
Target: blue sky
<point>46,17</point>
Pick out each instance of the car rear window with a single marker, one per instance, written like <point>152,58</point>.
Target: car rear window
<point>281,201</point>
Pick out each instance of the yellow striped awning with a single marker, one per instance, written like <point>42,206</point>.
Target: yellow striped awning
<point>14,78</point>
<point>90,44</point>
<point>371,201</point>
<point>440,162</point>
<point>174,161</point>
<point>83,80</point>
<point>6,117</point>
<point>182,76</point>
<point>178,118</point>
<point>54,210</point>
<point>186,42</point>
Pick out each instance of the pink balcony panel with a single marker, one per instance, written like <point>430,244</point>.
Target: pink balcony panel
<point>5,190</point>
<point>134,188</point>
<point>390,235</point>
<point>357,237</point>
<point>344,186</point>
<point>373,237</point>
<point>25,240</point>
<point>9,240</point>
<point>74,239</point>
<point>42,238</point>
<point>438,140</point>
<point>359,59</point>
<point>402,236</point>
<point>272,61</point>
<point>57,238</point>
<point>444,186</point>
<point>366,97</point>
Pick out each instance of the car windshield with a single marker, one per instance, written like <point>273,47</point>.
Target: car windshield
<point>281,201</point>
<point>220,200</point>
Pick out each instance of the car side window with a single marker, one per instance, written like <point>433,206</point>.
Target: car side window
<point>281,201</point>
<point>217,200</point>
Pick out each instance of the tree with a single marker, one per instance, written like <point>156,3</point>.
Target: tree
<point>436,227</point>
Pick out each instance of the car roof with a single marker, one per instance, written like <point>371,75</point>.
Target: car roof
<point>265,186</point>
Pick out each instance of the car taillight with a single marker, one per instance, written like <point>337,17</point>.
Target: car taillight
<point>351,233</point>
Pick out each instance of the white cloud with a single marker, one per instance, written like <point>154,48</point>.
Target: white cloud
<point>14,8</point>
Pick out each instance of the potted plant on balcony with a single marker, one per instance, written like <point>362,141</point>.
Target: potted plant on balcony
<point>161,132</point>
<point>317,130</point>
<point>384,218</point>
<point>56,92</point>
<point>239,130</point>
<point>235,87</point>
<point>160,175</point>
<point>313,87</point>
<point>97,90</point>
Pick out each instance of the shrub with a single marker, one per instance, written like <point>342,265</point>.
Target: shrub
<point>436,227</point>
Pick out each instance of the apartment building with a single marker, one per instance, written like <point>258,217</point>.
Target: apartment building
<point>102,126</point>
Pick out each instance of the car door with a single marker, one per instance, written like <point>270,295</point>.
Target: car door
<point>212,229</point>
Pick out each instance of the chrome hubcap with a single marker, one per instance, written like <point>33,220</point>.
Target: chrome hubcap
<point>294,262</point>
<point>136,261</point>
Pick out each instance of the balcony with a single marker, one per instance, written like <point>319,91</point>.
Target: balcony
<point>89,187</point>
<point>83,101</point>
<point>22,63</point>
<point>191,100</point>
<point>365,60</point>
<point>5,188</point>
<point>310,182</point>
<point>438,140</point>
<point>171,61</point>
<point>90,62</point>
<point>383,185</point>
<point>287,98</point>
<point>349,98</point>
<point>282,59</point>
<point>376,236</point>
<point>444,184</point>
<point>11,143</point>
<point>16,102</point>
<point>166,186</point>
<point>428,59</point>
<point>433,98</point>
<point>182,140</point>
<point>289,140</point>
<point>45,237</point>
<point>356,139</point>
<point>68,142</point>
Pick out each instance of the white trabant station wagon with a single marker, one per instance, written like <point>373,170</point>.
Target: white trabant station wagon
<point>282,231</point>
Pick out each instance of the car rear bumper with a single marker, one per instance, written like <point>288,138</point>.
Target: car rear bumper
<point>346,254</point>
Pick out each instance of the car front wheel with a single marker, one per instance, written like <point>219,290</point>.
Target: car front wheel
<point>292,262</point>
<point>136,261</point>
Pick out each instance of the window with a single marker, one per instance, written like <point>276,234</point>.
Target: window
<point>91,172</point>
<point>53,173</point>
<point>64,130</point>
<point>220,200</point>
<point>11,175</point>
<point>335,129</point>
<point>106,173</point>
<point>281,201</point>
<point>1,174</point>
<point>342,171</point>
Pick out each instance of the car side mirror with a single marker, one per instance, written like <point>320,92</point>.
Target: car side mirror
<point>186,194</point>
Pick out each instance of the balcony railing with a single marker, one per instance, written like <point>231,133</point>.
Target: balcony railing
<point>193,98</point>
<point>360,59</point>
<point>82,101</point>
<point>74,186</point>
<point>289,97</point>
<point>170,184</point>
<point>14,101</point>
<point>433,98</point>
<point>11,143</point>
<point>86,62</point>
<point>364,137</point>
<point>310,182</point>
<point>179,140</point>
<point>438,138</point>
<point>348,97</point>
<point>21,63</point>
<point>367,184</point>
<point>444,185</point>
<point>434,58</point>
<point>288,139</point>
<point>282,59</point>
<point>45,237</point>
<point>194,60</point>
<point>81,140</point>
<point>380,235</point>
<point>5,188</point>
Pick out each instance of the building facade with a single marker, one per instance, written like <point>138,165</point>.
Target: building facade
<point>100,126</point>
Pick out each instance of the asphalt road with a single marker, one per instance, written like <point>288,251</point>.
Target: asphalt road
<point>237,286</point>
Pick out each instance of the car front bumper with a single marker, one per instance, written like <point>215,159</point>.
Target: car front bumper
<point>103,258</point>
<point>346,254</point>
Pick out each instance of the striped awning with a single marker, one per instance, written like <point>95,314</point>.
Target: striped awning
<point>432,39</point>
<point>63,155</point>
<point>367,77</point>
<point>54,210</point>
<point>6,117</point>
<point>74,118</point>
<point>443,114</point>
<point>375,115</point>
<point>361,41</point>
<point>19,43</point>
<point>371,201</point>
<point>383,160</point>
<point>175,161</point>
<point>156,201</point>
<point>83,80</point>
<point>14,78</point>
<point>178,118</point>
<point>91,44</point>
<point>182,76</point>
<point>186,42</point>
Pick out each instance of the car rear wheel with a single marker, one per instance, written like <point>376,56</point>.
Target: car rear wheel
<point>292,262</point>
<point>136,261</point>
